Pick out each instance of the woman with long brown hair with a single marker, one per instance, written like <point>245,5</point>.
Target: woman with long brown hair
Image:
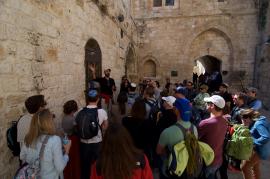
<point>119,158</point>
<point>53,160</point>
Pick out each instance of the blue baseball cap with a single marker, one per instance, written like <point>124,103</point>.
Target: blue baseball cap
<point>184,107</point>
<point>181,90</point>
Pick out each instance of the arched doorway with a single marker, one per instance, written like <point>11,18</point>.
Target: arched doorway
<point>208,68</point>
<point>208,64</point>
<point>149,69</point>
<point>212,46</point>
<point>92,56</point>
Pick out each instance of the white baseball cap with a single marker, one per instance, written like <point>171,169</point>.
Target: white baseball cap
<point>169,99</point>
<point>133,85</point>
<point>216,100</point>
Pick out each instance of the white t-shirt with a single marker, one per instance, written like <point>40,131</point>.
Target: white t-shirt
<point>102,116</point>
<point>23,127</point>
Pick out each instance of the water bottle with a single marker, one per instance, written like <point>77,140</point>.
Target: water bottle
<point>65,139</point>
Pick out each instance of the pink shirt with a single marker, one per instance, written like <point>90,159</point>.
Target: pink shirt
<point>212,131</point>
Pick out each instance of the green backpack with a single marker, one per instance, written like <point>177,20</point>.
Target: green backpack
<point>240,145</point>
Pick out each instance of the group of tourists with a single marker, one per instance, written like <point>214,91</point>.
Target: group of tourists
<point>179,130</point>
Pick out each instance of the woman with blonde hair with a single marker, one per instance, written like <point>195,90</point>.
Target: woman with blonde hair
<point>259,128</point>
<point>42,132</point>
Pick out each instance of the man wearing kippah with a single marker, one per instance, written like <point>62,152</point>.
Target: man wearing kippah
<point>89,147</point>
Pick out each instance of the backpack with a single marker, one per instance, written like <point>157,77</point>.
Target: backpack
<point>31,171</point>
<point>131,99</point>
<point>154,109</point>
<point>11,136</point>
<point>179,157</point>
<point>240,145</point>
<point>87,122</point>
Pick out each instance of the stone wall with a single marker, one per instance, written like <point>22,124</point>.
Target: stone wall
<point>42,52</point>
<point>262,75</point>
<point>173,37</point>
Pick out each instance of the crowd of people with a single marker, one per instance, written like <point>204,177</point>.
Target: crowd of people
<point>137,136</point>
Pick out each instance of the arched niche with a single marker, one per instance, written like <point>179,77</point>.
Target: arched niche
<point>130,64</point>
<point>149,68</point>
<point>92,56</point>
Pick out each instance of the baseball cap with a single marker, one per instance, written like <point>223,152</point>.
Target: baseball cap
<point>181,90</point>
<point>252,89</point>
<point>184,107</point>
<point>216,100</point>
<point>169,99</point>
<point>92,93</point>
<point>133,85</point>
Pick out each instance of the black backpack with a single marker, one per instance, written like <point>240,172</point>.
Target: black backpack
<point>11,135</point>
<point>154,109</point>
<point>87,122</point>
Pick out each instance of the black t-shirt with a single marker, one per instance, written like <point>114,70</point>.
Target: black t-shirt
<point>106,85</point>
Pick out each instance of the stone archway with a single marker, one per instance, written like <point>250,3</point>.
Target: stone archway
<point>213,44</point>
<point>130,65</point>
<point>92,55</point>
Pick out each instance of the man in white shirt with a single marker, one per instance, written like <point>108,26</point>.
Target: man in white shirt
<point>89,147</point>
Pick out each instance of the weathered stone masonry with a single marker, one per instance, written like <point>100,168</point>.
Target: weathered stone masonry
<point>42,47</point>
<point>42,51</point>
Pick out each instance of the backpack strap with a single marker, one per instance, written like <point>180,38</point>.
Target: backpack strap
<point>184,130</point>
<point>44,142</point>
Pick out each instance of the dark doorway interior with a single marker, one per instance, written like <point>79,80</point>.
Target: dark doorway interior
<point>92,55</point>
<point>210,63</point>
<point>208,71</point>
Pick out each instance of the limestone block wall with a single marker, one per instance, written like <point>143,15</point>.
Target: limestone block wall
<point>42,52</point>
<point>262,77</point>
<point>176,36</point>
